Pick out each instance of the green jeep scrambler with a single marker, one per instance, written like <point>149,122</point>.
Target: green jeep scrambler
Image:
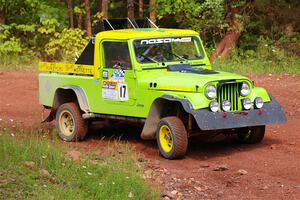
<point>133,71</point>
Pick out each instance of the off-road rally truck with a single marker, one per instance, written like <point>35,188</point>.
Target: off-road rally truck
<point>160,78</point>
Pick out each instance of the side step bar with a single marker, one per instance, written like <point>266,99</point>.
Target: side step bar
<point>115,117</point>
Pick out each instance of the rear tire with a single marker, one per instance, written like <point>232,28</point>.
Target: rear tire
<point>251,135</point>
<point>172,138</point>
<point>69,122</point>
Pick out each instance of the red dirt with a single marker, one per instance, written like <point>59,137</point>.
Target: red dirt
<point>273,166</point>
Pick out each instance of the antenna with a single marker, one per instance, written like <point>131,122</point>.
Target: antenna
<point>131,23</point>
<point>109,24</point>
<point>122,23</point>
<point>152,23</point>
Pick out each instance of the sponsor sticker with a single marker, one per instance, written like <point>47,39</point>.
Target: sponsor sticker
<point>109,90</point>
<point>165,40</point>
<point>118,75</point>
<point>115,89</point>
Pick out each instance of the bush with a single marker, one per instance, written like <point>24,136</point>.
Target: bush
<point>14,48</point>
<point>66,45</point>
<point>9,50</point>
<point>25,44</point>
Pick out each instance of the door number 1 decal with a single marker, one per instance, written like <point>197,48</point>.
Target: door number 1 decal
<point>123,92</point>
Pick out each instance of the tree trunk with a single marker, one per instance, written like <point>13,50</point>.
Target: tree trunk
<point>88,27</point>
<point>289,29</point>
<point>152,7</point>
<point>141,10</point>
<point>71,13</point>
<point>2,17</point>
<point>130,9</point>
<point>105,8</point>
<point>227,43</point>
<point>230,39</point>
<point>79,21</point>
<point>99,5</point>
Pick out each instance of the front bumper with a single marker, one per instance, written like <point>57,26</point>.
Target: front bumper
<point>271,113</point>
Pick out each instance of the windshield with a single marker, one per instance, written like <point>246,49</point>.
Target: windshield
<point>168,49</point>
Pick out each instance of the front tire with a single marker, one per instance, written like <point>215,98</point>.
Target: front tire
<point>172,138</point>
<point>69,122</point>
<point>251,135</point>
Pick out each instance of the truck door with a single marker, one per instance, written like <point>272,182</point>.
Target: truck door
<point>117,81</point>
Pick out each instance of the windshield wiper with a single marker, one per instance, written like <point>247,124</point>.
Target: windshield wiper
<point>177,56</point>
<point>148,58</point>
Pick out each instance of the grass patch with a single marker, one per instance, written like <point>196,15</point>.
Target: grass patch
<point>96,177</point>
<point>252,65</point>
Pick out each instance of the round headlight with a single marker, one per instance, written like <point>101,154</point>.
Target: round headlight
<point>258,102</point>
<point>214,106</point>
<point>226,105</point>
<point>211,91</point>
<point>247,104</point>
<point>245,89</point>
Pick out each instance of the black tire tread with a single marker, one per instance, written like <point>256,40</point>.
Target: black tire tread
<point>178,129</point>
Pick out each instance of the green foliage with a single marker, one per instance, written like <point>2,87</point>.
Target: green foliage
<point>9,49</point>
<point>79,9</point>
<point>49,26</point>
<point>206,16</point>
<point>270,21</point>
<point>37,29</point>
<point>12,47</point>
<point>291,43</point>
<point>66,45</point>
<point>93,178</point>
<point>30,25</point>
<point>33,11</point>
<point>21,43</point>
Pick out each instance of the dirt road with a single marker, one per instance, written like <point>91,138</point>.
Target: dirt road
<point>214,168</point>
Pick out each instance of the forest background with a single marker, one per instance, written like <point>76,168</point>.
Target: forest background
<point>247,36</point>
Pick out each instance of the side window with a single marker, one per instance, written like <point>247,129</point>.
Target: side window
<point>116,54</point>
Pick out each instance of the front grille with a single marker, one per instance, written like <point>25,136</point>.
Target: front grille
<point>230,91</point>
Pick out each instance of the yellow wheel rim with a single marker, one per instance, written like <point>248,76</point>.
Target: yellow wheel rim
<point>66,123</point>
<point>165,138</point>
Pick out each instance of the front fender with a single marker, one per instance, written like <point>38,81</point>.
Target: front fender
<point>155,114</point>
<point>260,92</point>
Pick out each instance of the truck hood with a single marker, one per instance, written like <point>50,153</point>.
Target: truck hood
<point>184,81</point>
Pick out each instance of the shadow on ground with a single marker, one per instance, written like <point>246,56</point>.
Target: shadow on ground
<point>199,148</point>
